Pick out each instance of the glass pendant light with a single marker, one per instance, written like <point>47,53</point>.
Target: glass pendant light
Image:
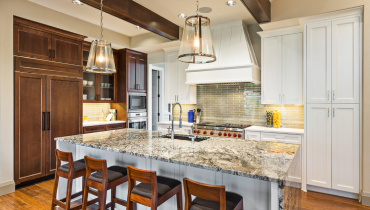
<point>101,54</point>
<point>197,43</point>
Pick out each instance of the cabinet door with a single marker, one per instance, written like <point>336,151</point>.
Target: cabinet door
<point>29,126</point>
<point>292,70</point>
<point>64,112</point>
<point>171,79</point>
<point>318,62</point>
<point>141,71</point>
<point>346,147</point>
<point>31,43</point>
<point>271,70</point>
<point>67,50</point>
<point>346,60</point>
<point>319,145</point>
<point>183,89</point>
<point>131,68</point>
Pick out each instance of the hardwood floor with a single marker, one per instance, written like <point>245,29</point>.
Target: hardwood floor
<point>38,196</point>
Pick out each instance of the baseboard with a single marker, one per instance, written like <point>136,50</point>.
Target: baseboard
<point>365,199</point>
<point>7,187</point>
<point>332,192</point>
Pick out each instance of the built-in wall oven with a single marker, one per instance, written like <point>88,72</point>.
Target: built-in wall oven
<point>138,120</point>
<point>136,102</point>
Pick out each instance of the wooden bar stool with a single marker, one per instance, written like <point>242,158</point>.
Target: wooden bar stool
<point>153,190</point>
<point>103,180</point>
<point>71,170</point>
<point>210,197</point>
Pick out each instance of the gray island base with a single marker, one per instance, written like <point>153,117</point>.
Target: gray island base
<point>267,175</point>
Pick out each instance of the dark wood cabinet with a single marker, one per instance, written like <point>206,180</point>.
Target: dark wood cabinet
<point>64,113</point>
<point>29,126</point>
<point>43,42</point>
<point>99,128</point>
<point>141,72</point>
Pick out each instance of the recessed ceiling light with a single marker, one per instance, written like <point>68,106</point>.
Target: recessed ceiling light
<point>77,2</point>
<point>182,15</point>
<point>137,27</point>
<point>230,3</point>
<point>205,10</point>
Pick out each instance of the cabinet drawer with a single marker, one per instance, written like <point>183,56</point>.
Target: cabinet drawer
<point>283,138</point>
<point>115,126</point>
<point>256,136</point>
<point>92,129</point>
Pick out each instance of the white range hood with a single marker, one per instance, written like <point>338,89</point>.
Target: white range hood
<point>236,61</point>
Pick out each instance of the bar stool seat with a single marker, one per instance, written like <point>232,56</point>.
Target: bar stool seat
<point>232,200</point>
<point>79,165</point>
<point>114,172</point>
<point>164,185</point>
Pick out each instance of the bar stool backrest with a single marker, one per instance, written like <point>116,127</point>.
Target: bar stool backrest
<point>93,164</point>
<point>204,191</point>
<point>144,176</point>
<point>66,157</point>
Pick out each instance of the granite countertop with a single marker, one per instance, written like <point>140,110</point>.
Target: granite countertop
<point>275,130</point>
<point>254,159</point>
<point>94,123</point>
<point>175,123</point>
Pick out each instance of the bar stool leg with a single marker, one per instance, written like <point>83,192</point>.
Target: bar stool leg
<point>103,199</point>
<point>84,198</point>
<point>69,192</point>
<point>113,196</point>
<point>56,181</point>
<point>179,200</point>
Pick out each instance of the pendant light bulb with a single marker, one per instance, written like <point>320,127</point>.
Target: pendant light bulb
<point>197,42</point>
<point>101,53</point>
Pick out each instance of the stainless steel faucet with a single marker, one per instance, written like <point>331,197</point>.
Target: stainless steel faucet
<point>180,122</point>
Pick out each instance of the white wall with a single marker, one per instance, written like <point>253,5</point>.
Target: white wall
<point>29,10</point>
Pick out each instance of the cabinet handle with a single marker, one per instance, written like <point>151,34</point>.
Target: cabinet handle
<point>43,121</point>
<point>333,112</point>
<point>328,112</point>
<point>283,98</point>
<point>328,94</point>
<point>48,120</point>
<point>49,54</point>
<point>280,98</point>
<point>333,95</point>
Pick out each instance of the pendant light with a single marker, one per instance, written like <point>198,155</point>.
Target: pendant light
<point>197,43</point>
<point>101,54</point>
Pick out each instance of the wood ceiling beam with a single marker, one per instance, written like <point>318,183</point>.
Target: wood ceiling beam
<point>260,9</point>
<point>134,13</point>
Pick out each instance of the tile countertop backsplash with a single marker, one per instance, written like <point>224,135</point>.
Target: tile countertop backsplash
<point>93,110</point>
<point>239,103</point>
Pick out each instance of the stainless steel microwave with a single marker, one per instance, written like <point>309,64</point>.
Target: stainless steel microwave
<point>136,102</point>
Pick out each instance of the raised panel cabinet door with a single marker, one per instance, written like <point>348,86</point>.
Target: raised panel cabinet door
<point>29,126</point>
<point>141,71</point>
<point>318,62</point>
<point>171,77</point>
<point>292,70</point>
<point>183,89</point>
<point>346,147</point>
<point>32,43</point>
<point>67,50</point>
<point>64,113</point>
<point>271,70</point>
<point>346,60</point>
<point>131,68</point>
<point>319,157</point>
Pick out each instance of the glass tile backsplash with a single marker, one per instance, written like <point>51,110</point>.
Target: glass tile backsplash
<point>239,103</point>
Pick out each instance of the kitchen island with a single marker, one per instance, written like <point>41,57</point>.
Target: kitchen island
<point>266,174</point>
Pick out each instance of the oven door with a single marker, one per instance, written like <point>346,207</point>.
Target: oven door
<point>138,123</point>
<point>137,102</point>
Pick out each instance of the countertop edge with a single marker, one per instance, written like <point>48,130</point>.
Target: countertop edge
<point>275,130</point>
<point>104,123</point>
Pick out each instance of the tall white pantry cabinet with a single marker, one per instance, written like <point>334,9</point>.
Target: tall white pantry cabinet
<point>333,70</point>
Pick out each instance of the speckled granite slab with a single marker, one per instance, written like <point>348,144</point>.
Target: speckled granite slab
<point>254,159</point>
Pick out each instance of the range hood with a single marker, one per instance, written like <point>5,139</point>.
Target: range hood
<point>236,61</point>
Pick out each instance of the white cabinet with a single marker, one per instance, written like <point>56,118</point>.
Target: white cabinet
<point>318,137</point>
<point>346,147</point>
<point>282,66</point>
<point>175,76</point>
<point>333,61</point>
<point>250,135</point>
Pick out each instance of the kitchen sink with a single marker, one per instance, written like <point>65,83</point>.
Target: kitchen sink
<point>186,137</point>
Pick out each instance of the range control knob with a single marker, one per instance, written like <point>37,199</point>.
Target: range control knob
<point>204,132</point>
<point>234,135</point>
<point>219,134</point>
<point>229,134</point>
<point>225,134</point>
<point>211,133</point>
<point>239,135</point>
<point>194,131</point>
<point>198,132</point>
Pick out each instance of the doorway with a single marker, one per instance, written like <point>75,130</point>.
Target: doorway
<point>156,91</point>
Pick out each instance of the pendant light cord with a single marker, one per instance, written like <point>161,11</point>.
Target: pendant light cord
<point>101,19</point>
<point>197,7</point>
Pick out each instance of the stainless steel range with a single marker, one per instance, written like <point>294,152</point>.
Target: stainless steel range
<point>220,129</point>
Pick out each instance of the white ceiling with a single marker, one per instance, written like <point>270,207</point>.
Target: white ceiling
<point>168,9</point>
